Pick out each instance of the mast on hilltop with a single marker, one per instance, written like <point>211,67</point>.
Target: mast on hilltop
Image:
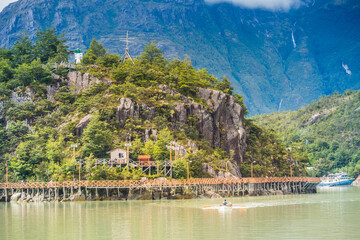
<point>127,54</point>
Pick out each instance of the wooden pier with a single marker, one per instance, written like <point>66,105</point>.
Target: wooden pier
<point>155,189</point>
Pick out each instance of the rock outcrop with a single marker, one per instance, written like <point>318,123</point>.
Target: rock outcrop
<point>129,108</point>
<point>53,88</point>
<point>233,171</point>
<point>80,82</point>
<point>356,182</point>
<point>220,121</point>
<point>314,118</point>
<point>21,97</point>
<point>223,126</point>
<point>80,127</point>
<point>2,105</point>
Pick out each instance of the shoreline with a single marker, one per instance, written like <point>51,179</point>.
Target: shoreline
<point>155,189</point>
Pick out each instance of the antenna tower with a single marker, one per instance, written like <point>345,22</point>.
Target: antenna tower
<point>127,54</point>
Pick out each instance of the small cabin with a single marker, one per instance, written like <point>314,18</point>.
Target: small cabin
<point>144,160</point>
<point>118,155</point>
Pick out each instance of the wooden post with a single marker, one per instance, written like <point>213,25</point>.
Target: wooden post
<point>252,170</point>
<point>7,176</point>
<point>128,145</point>
<point>188,173</point>
<point>291,171</point>
<point>7,183</point>
<point>127,154</point>
<point>79,172</point>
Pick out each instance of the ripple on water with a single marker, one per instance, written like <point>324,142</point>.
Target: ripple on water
<point>329,214</point>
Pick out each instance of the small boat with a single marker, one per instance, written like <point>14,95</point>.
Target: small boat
<point>339,179</point>
<point>223,207</point>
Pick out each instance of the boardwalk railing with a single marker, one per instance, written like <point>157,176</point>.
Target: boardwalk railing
<point>156,182</point>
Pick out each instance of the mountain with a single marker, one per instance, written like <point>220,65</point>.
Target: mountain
<point>277,60</point>
<point>328,130</point>
<point>47,105</point>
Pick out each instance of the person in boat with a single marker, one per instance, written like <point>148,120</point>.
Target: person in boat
<point>225,202</point>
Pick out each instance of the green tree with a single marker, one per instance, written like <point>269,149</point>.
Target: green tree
<point>127,72</point>
<point>152,55</point>
<point>185,77</point>
<point>97,48</point>
<point>225,86</point>
<point>89,58</point>
<point>29,155</point>
<point>179,169</point>
<point>48,44</point>
<point>61,54</point>
<point>54,151</point>
<point>6,54</point>
<point>240,100</point>
<point>109,60</point>
<point>95,51</point>
<point>149,148</point>
<point>161,153</point>
<point>323,166</point>
<point>4,140</point>
<point>97,138</point>
<point>6,71</point>
<point>64,95</point>
<point>33,73</point>
<point>23,51</point>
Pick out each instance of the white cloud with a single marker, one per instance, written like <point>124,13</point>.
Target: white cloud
<point>264,4</point>
<point>4,3</point>
<point>347,69</point>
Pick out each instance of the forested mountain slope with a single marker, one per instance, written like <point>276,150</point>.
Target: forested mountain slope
<point>329,130</point>
<point>48,104</point>
<point>275,59</point>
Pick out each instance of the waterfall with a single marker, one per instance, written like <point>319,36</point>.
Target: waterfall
<point>293,39</point>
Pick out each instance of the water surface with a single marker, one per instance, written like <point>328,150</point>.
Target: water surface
<point>331,214</point>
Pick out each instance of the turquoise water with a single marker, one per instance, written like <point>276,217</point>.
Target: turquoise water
<point>330,214</point>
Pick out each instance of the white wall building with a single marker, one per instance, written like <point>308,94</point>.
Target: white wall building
<point>78,56</point>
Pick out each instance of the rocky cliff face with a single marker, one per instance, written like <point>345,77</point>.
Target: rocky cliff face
<point>220,122</point>
<point>80,82</point>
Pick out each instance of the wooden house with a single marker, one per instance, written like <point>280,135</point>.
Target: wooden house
<point>144,160</point>
<point>118,156</point>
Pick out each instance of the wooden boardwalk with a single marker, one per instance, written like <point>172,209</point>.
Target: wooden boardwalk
<point>156,182</point>
<point>162,188</point>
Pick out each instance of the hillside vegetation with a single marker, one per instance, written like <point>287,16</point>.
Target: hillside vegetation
<point>42,114</point>
<point>274,59</point>
<point>328,130</point>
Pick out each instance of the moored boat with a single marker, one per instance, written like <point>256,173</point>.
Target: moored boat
<point>339,179</point>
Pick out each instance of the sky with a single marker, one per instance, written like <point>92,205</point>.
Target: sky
<point>264,4</point>
<point>4,3</point>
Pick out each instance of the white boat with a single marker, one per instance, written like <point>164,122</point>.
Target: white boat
<point>336,180</point>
